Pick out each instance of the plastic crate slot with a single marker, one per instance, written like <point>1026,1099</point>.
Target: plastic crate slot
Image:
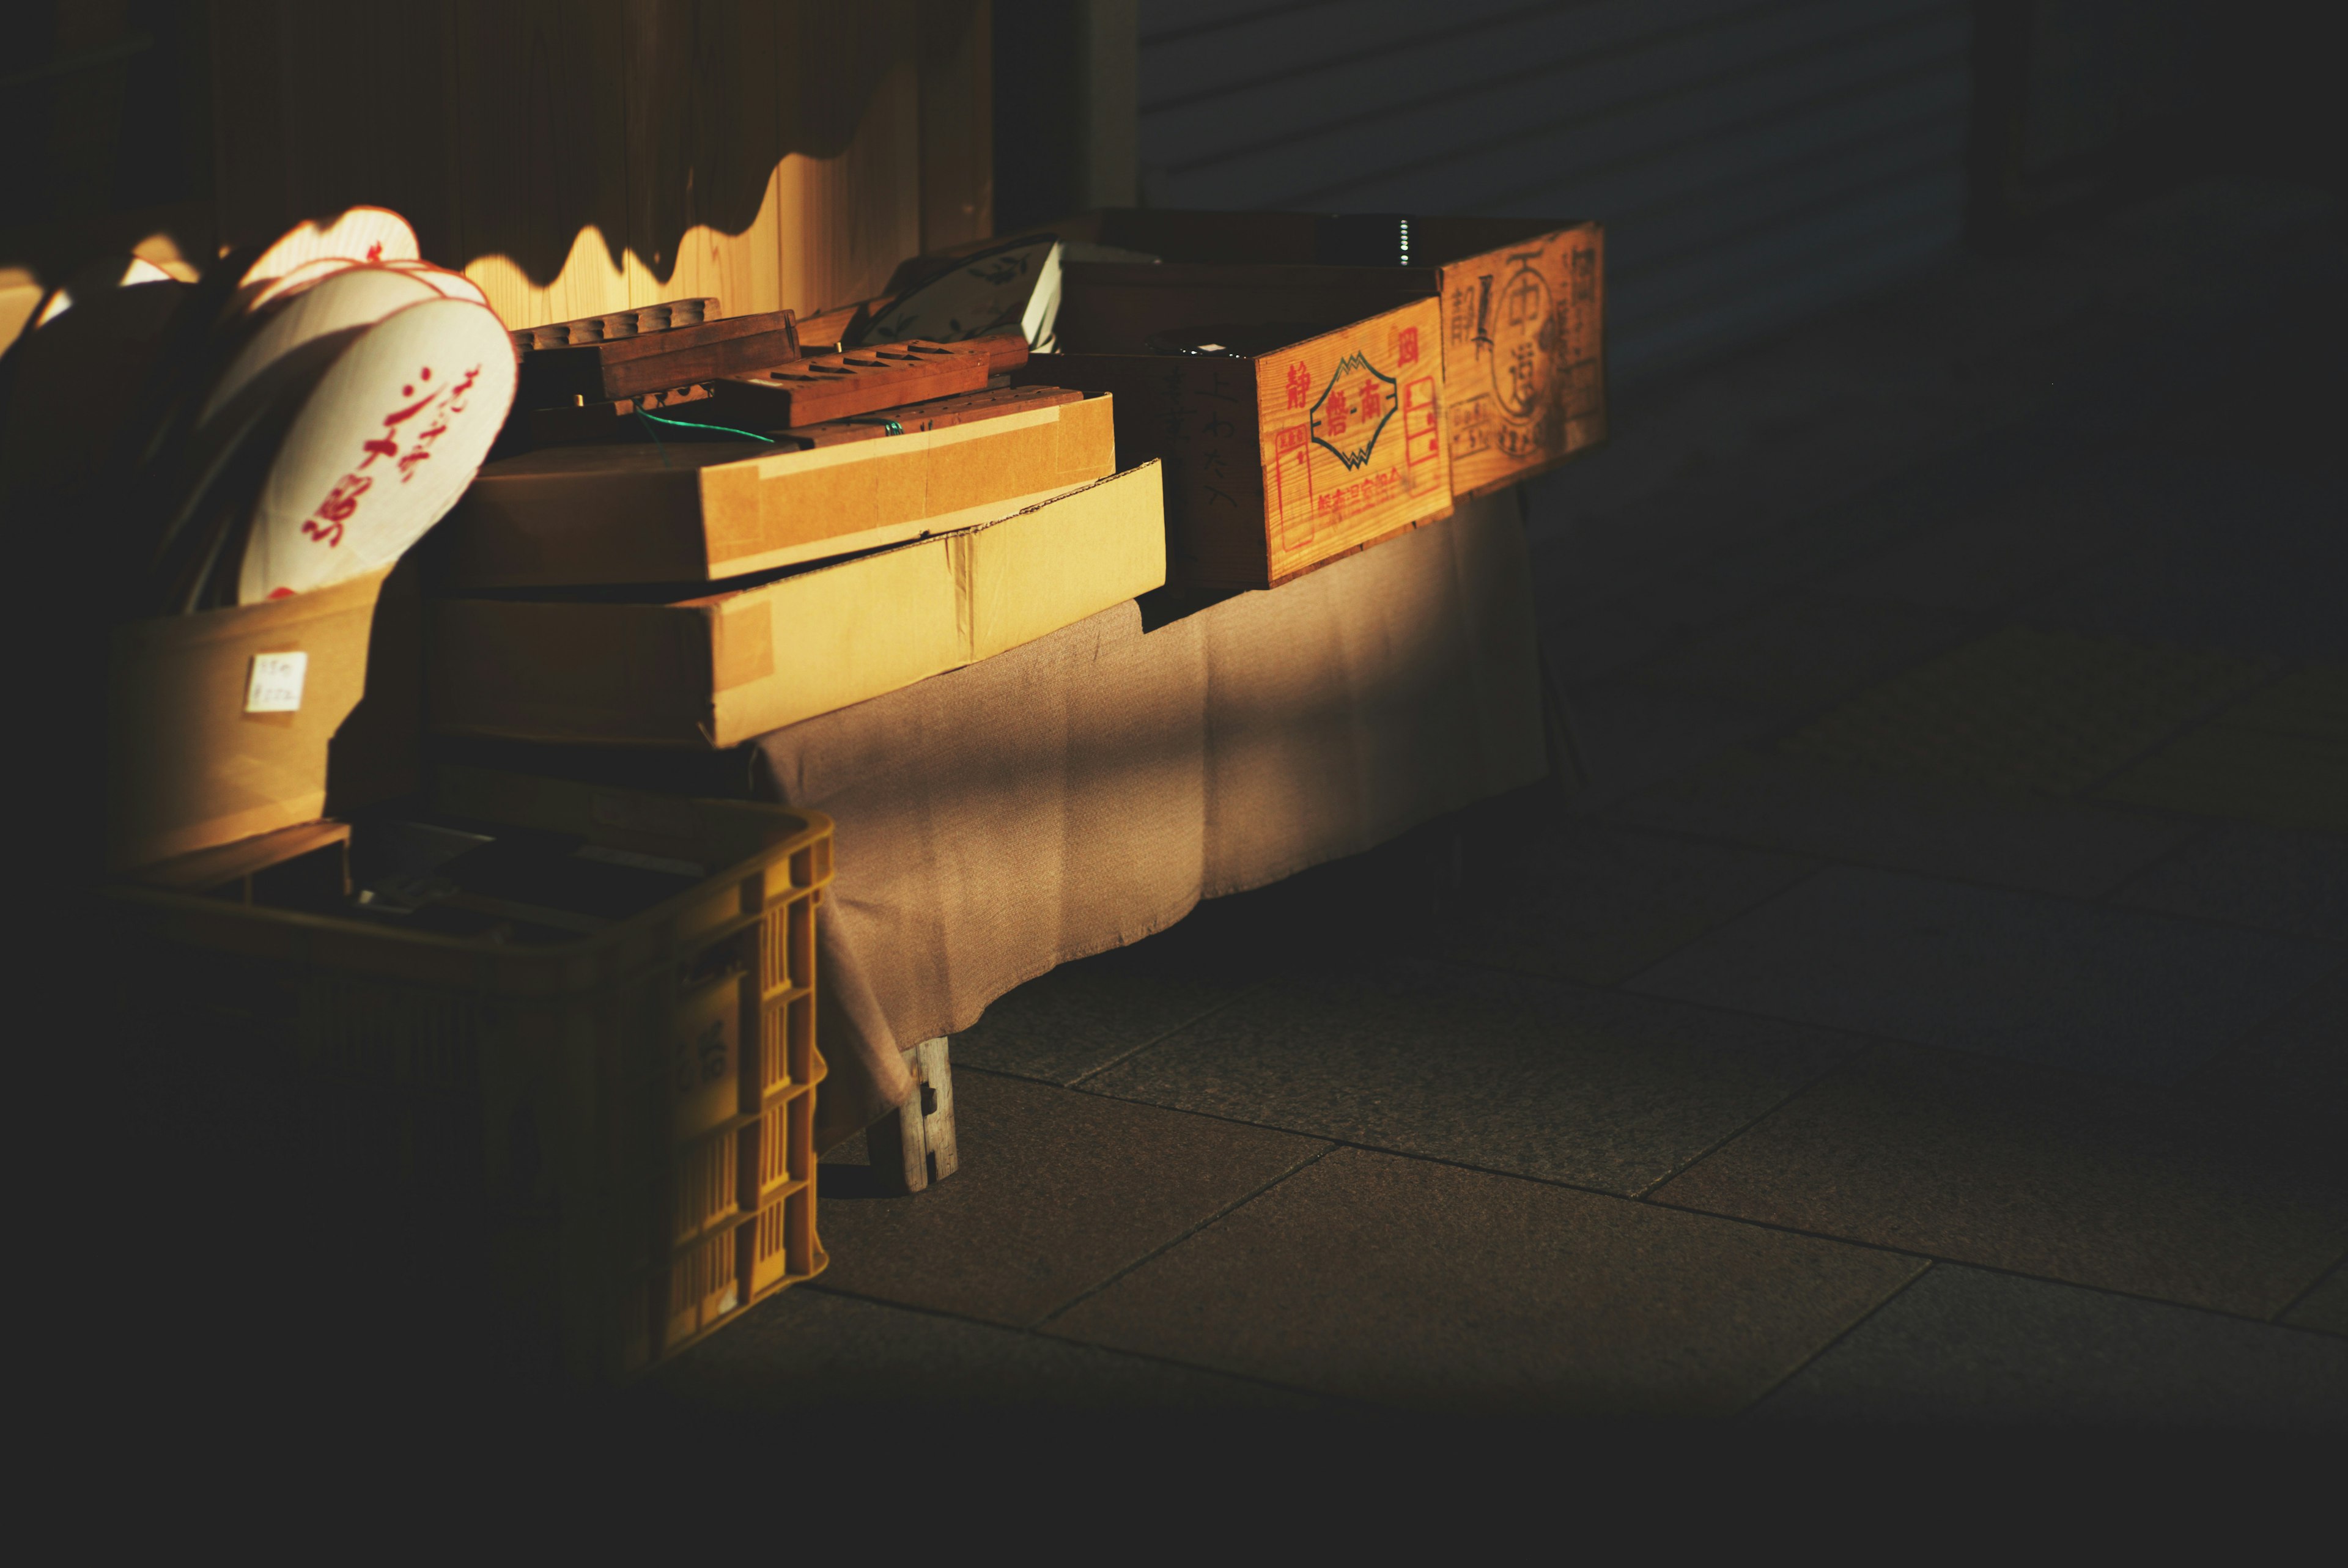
<point>799,1029</point>
<point>774,951</point>
<point>774,1147</point>
<point>706,1186</point>
<point>799,1230</point>
<point>771,1262</point>
<point>801,922</point>
<point>774,1050</point>
<point>703,1287</point>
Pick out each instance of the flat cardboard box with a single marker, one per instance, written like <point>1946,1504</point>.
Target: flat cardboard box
<point>188,766</point>
<point>1523,303</point>
<point>713,671</point>
<point>688,512</point>
<point>1281,462</point>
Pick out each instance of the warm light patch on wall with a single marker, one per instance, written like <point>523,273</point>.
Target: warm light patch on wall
<point>809,264</point>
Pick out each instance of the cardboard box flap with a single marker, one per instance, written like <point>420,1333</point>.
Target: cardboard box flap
<point>203,744</point>
<point>683,512</point>
<point>714,670</point>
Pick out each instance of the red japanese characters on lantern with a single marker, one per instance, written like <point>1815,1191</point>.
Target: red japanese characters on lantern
<point>382,443</point>
<point>436,407</point>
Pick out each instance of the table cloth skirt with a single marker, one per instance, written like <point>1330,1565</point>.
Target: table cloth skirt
<point>1089,788</point>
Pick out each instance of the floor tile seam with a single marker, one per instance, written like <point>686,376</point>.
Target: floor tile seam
<point>2107,900</point>
<point>1499,965</point>
<point>2245,1032</point>
<point>1315,1157</point>
<point>1768,738</point>
<point>1384,1151</point>
<point>1836,1338</point>
<point>1826,598</point>
<point>1030,1331</point>
<point>1164,1035</point>
<point>1861,1041</point>
<point>2208,713</point>
<point>2006,1270</point>
<point>1681,641</point>
<point>1754,1121</point>
<point>1337,1142</point>
<point>1881,494</point>
<point>1721,841</point>
<point>1871,1039</point>
<point>2322,1274</point>
<point>1775,735</point>
<point>2201,833</point>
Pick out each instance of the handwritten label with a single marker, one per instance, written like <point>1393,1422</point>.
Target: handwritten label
<point>276,683</point>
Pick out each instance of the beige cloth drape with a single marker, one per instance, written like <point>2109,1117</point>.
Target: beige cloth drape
<point>1089,788</point>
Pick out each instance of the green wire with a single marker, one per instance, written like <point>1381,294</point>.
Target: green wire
<point>659,445</point>
<point>696,425</point>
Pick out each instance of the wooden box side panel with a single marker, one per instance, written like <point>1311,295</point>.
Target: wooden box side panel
<point>1197,419</point>
<point>1524,355</point>
<point>1352,435</point>
<point>1107,308</point>
<point>1241,237</point>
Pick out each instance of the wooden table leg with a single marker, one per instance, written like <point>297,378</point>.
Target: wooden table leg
<point>914,1145</point>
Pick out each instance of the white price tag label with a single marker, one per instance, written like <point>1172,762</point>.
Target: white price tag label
<point>276,683</point>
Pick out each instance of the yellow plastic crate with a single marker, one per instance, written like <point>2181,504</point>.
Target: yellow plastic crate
<point>624,1121</point>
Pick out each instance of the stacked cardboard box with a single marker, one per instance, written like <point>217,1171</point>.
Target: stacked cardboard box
<point>694,595</point>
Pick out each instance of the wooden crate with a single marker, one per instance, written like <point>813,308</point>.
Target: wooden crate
<point>1523,306</point>
<point>1281,462</point>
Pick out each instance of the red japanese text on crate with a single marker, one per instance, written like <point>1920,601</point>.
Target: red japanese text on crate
<point>1361,496</point>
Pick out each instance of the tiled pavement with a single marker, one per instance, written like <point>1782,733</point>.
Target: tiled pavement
<point>1933,1009</point>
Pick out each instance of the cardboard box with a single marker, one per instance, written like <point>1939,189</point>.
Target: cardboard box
<point>217,724</point>
<point>685,512</point>
<point>1523,303</point>
<point>715,670</point>
<point>1281,462</point>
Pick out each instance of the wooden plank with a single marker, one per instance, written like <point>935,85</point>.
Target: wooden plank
<point>616,421</point>
<point>580,157</point>
<point>937,414</point>
<point>851,178</point>
<point>936,1107</point>
<point>316,109</point>
<point>1523,303</point>
<point>957,107</point>
<point>543,194</point>
<point>698,99</point>
<point>1524,356</point>
<point>657,361</point>
<point>914,1144</point>
<point>207,869</point>
<point>1277,463</point>
<point>835,386</point>
<point>679,313</point>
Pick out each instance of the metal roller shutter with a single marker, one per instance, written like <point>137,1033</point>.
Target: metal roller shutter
<point>1752,162</point>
